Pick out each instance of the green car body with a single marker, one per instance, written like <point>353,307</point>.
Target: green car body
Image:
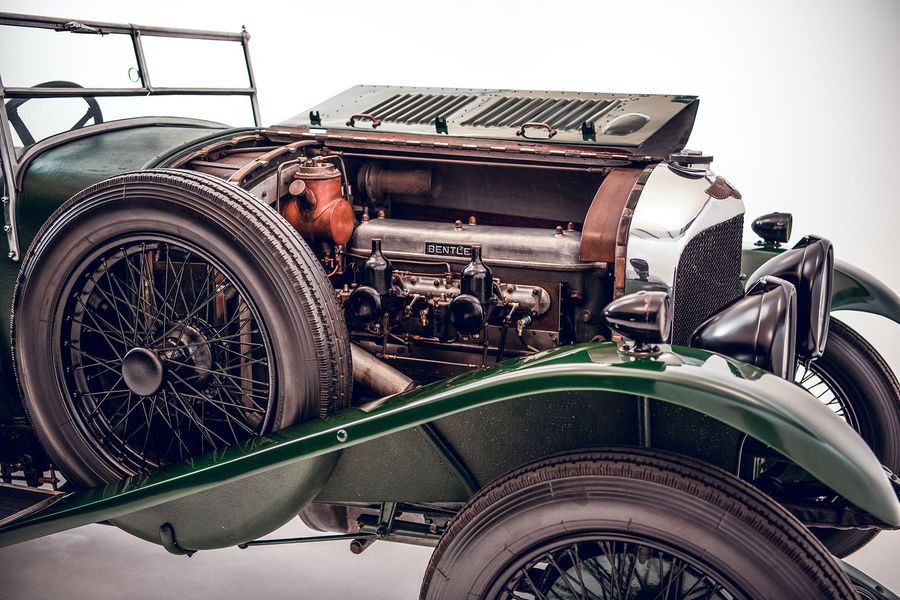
<point>741,396</point>
<point>54,175</point>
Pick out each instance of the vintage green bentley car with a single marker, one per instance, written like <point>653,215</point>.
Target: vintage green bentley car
<point>518,326</point>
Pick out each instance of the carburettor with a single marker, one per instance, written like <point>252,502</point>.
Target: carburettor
<point>316,205</point>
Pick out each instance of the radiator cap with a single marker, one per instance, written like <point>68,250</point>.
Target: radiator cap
<point>686,158</point>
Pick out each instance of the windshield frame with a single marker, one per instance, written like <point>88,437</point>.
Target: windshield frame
<point>12,164</point>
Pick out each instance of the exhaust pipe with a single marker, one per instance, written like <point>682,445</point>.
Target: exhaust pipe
<point>384,380</point>
<point>376,374</point>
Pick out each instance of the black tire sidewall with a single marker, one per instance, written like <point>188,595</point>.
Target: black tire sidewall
<point>587,498</point>
<point>861,374</point>
<point>871,388</point>
<point>182,212</point>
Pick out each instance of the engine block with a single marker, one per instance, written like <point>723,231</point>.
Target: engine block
<point>536,283</point>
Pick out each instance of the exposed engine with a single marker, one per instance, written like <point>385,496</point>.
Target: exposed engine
<point>439,270</point>
<point>438,297</point>
<point>463,294</point>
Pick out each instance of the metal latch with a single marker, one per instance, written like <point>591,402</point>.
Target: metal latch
<point>9,226</point>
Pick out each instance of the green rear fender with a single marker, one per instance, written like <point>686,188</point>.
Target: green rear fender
<point>853,288</point>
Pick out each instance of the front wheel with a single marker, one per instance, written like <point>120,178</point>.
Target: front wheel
<point>628,524</point>
<point>854,381</point>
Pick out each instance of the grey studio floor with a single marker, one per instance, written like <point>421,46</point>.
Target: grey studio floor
<point>99,562</point>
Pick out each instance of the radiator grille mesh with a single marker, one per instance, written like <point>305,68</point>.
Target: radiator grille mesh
<point>708,276</point>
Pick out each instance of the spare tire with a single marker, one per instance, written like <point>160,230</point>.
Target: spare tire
<point>163,314</point>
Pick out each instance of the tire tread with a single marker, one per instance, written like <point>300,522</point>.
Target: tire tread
<point>300,267</point>
<point>714,485</point>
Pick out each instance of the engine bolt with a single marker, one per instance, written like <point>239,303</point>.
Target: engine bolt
<point>365,217</point>
<point>559,230</point>
<point>586,316</point>
<point>458,224</point>
<point>472,220</point>
<point>380,214</point>
<point>570,226</point>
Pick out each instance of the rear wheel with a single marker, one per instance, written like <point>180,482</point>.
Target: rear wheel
<point>628,524</point>
<point>854,381</point>
<point>160,315</point>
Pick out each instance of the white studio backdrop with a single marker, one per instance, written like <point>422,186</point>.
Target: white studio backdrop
<point>799,100</point>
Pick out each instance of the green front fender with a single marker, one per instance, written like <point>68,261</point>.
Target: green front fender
<point>853,288</point>
<point>772,410</point>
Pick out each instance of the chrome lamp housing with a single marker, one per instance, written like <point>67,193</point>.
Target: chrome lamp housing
<point>643,317</point>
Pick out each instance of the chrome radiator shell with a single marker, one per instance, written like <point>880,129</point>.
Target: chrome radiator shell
<point>686,242</point>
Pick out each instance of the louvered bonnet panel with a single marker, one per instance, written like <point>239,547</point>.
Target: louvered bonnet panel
<point>559,113</point>
<point>626,120</point>
<point>418,108</point>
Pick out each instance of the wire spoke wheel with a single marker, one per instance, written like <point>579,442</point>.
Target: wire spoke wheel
<point>164,355</point>
<point>627,524</point>
<point>162,315</point>
<point>613,567</point>
<point>853,380</point>
<point>815,380</point>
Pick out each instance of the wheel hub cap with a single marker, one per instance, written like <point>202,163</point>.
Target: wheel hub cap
<point>162,356</point>
<point>142,371</point>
